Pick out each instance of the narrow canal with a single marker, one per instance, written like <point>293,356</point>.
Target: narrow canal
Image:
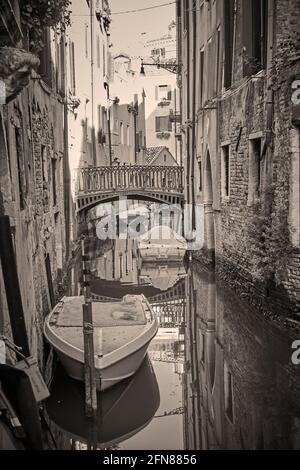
<point>217,375</point>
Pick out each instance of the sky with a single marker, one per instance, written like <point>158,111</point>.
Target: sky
<point>130,31</point>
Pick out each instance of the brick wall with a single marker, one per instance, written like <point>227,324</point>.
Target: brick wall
<point>254,246</point>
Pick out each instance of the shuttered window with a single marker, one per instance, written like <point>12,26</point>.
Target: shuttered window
<point>72,67</point>
<point>163,124</point>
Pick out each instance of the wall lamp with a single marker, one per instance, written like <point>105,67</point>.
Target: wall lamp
<point>170,67</point>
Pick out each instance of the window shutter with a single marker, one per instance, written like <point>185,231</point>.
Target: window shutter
<point>157,124</point>
<point>169,93</point>
<point>156,93</point>
<point>169,125</point>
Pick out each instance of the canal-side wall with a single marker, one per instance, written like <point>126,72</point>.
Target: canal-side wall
<point>255,234</point>
<point>32,156</point>
<point>257,240</point>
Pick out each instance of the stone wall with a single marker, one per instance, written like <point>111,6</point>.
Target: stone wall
<point>32,156</point>
<point>255,248</point>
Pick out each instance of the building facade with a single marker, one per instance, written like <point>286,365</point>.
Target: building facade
<point>240,131</point>
<point>34,191</point>
<point>128,131</point>
<point>155,86</point>
<point>88,94</point>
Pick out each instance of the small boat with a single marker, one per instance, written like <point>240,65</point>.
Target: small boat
<point>123,410</point>
<point>122,333</point>
<point>160,243</point>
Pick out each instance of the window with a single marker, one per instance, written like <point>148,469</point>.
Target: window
<point>228,392</point>
<point>201,76</point>
<point>218,61</point>
<point>254,188</point>
<point>165,158</point>
<point>128,140</point>
<point>163,52</point>
<point>98,52</point>
<point>228,33</point>
<point>225,171</point>
<point>53,168</point>
<point>255,31</point>
<point>121,134</point>
<point>104,61</point>
<point>121,265</point>
<point>45,67</point>
<point>72,67</point>
<point>141,140</point>
<point>163,124</point>
<point>161,92</point>
<point>199,175</point>
<point>21,167</point>
<point>210,68</point>
<point>186,15</point>
<point>202,347</point>
<point>86,40</point>
<point>44,164</point>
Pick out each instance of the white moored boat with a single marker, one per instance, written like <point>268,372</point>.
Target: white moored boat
<point>122,333</point>
<point>162,243</point>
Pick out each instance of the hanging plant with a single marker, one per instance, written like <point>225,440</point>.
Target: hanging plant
<point>40,14</point>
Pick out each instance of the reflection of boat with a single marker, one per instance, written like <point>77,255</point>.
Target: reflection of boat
<point>122,411</point>
<point>122,333</point>
<point>161,242</point>
<point>162,276</point>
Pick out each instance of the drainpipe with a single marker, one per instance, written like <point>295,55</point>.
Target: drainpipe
<point>66,167</point>
<point>106,86</point>
<point>234,37</point>
<point>266,151</point>
<point>194,117</point>
<point>92,11</point>
<point>188,164</point>
<point>175,124</point>
<point>135,137</point>
<point>179,76</point>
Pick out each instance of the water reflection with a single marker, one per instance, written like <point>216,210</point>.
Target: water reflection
<point>241,390</point>
<point>123,410</point>
<point>117,269</point>
<point>225,374</point>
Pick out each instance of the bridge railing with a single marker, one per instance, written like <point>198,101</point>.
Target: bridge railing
<point>124,177</point>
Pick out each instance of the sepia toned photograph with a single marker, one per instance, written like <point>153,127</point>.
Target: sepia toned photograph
<point>149,230</point>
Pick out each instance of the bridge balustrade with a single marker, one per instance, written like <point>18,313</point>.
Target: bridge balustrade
<point>126,177</point>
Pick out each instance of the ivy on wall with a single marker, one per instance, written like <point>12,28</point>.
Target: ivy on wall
<point>40,14</point>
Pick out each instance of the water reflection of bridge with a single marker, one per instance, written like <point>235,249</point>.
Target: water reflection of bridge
<point>169,305</point>
<point>176,292</point>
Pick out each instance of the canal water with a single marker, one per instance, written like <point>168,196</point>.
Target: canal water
<point>217,375</point>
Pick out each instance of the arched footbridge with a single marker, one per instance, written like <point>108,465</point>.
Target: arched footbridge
<point>96,185</point>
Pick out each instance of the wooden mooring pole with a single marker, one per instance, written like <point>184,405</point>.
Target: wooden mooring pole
<point>89,353</point>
